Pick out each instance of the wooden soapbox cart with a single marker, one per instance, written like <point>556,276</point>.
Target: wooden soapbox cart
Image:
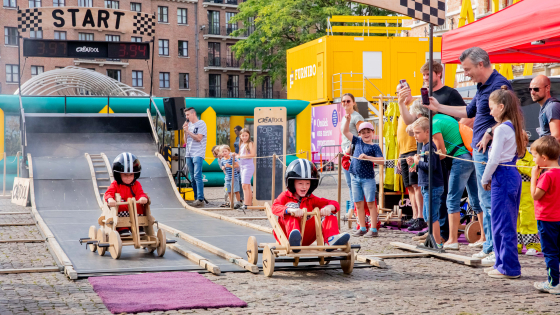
<point>283,252</point>
<point>107,238</point>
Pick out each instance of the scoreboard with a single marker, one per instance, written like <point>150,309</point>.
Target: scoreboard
<point>84,49</point>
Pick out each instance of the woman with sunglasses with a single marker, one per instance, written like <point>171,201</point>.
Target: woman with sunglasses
<point>351,108</point>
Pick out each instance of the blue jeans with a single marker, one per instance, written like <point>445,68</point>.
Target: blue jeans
<point>462,175</point>
<point>436,202</point>
<point>195,172</point>
<point>550,241</point>
<point>349,183</point>
<point>363,187</point>
<point>485,198</point>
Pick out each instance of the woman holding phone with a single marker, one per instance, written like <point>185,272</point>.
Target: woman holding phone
<point>350,108</point>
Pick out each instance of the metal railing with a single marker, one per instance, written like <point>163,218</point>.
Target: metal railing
<point>232,2</point>
<point>212,61</point>
<point>236,93</point>
<point>328,163</point>
<point>216,29</point>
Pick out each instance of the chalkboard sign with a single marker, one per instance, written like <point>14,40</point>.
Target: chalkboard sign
<point>269,142</point>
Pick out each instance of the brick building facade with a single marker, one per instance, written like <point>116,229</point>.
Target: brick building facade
<point>193,55</point>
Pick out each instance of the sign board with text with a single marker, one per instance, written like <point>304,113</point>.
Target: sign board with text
<point>84,49</point>
<point>325,129</point>
<point>20,191</point>
<point>81,18</point>
<point>270,138</point>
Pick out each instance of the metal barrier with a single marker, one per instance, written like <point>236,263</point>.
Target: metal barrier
<point>17,167</point>
<point>328,162</point>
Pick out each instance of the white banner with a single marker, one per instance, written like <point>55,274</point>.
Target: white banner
<point>20,192</point>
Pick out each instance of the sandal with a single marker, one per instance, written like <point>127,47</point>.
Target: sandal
<point>225,205</point>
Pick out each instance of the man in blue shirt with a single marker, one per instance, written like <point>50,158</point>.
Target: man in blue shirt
<point>476,65</point>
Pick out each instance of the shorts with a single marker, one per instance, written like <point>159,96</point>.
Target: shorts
<point>235,184</point>
<point>409,178</point>
<point>363,187</point>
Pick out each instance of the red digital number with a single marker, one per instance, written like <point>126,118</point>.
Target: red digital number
<point>142,50</point>
<point>133,51</point>
<point>122,51</point>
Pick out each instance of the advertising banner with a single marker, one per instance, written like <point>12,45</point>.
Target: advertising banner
<point>325,131</point>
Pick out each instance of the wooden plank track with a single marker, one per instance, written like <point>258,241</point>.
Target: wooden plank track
<point>457,258</point>
<point>201,261</point>
<point>30,270</point>
<point>22,241</point>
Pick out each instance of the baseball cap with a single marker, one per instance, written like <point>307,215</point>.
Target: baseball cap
<point>365,125</point>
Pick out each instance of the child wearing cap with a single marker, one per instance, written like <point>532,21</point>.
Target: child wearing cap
<point>362,174</point>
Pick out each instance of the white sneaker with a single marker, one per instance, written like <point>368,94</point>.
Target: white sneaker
<point>453,246</point>
<point>489,261</point>
<point>477,244</point>
<point>532,252</point>
<point>480,255</point>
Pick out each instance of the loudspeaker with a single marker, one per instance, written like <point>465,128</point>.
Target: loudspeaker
<point>174,112</point>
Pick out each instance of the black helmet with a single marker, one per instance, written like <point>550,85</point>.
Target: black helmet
<point>302,169</point>
<point>126,162</point>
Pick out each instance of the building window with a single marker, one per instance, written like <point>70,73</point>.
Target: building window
<point>230,26</point>
<point>181,16</point>
<point>184,81</point>
<point>36,70</point>
<point>35,34</point>
<point>115,74</point>
<point>85,3</point>
<point>250,90</point>
<point>34,3</point>
<point>135,6</point>
<point>233,86</point>
<point>10,3</point>
<point>59,3</point>
<point>215,81</point>
<point>85,36</point>
<point>10,36</point>
<point>113,38</point>
<point>231,61</point>
<point>12,73</point>
<point>59,35</point>
<point>163,45</point>
<point>214,54</point>
<point>136,39</point>
<point>183,48</point>
<point>164,80</point>
<point>250,27</point>
<point>267,87</point>
<point>214,22</point>
<point>111,4</point>
<point>162,15</point>
<point>137,78</point>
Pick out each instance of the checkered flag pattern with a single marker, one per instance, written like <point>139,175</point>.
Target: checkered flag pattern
<point>144,24</point>
<point>431,11</point>
<point>526,239</point>
<point>525,178</point>
<point>125,214</point>
<point>390,164</point>
<point>30,19</point>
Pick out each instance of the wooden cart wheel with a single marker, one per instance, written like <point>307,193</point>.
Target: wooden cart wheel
<point>462,227</point>
<point>472,231</point>
<point>348,264</point>
<point>101,238</point>
<point>115,248</point>
<point>162,242</point>
<point>252,250</point>
<point>92,236</point>
<point>268,261</point>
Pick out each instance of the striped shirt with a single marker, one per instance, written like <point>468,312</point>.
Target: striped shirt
<point>223,162</point>
<point>196,148</point>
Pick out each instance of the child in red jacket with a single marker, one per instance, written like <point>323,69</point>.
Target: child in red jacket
<point>302,178</point>
<point>126,171</point>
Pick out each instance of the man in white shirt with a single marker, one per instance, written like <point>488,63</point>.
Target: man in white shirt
<point>195,139</point>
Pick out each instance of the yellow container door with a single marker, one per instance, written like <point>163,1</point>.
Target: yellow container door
<point>407,69</point>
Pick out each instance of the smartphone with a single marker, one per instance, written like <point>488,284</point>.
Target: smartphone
<point>404,83</point>
<point>425,96</point>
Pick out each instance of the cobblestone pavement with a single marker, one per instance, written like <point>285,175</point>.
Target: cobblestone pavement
<point>407,286</point>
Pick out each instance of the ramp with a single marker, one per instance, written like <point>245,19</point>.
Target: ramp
<point>65,198</point>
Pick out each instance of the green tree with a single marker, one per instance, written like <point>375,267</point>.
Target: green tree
<point>278,25</point>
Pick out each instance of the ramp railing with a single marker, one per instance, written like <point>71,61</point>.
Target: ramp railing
<point>328,164</point>
<point>163,129</point>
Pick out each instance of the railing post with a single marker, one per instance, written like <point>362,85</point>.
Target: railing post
<point>17,160</point>
<point>4,181</point>
<point>340,81</point>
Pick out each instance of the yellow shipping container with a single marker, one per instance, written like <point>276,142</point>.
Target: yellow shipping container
<point>323,69</point>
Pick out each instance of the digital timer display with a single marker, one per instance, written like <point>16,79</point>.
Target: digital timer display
<point>85,49</point>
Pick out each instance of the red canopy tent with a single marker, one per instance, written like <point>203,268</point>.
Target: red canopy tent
<point>510,35</point>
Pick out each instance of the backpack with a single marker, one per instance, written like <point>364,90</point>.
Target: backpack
<point>466,135</point>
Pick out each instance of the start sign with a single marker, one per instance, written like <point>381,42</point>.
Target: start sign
<point>59,18</point>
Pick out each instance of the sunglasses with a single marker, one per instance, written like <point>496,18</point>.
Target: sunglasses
<point>535,89</point>
<point>347,102</point>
